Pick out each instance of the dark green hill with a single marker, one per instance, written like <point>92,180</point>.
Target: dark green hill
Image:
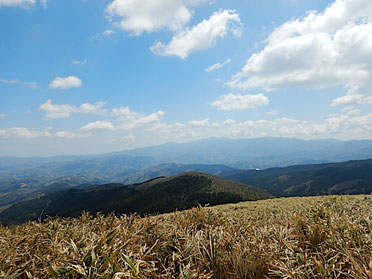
<point>160,195</point>
<point>353,177</point>
<point>17,186</point>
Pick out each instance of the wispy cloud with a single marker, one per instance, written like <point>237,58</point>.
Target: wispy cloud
<point>32,84</point>
<point>217,65</point>
<point>80,62</point>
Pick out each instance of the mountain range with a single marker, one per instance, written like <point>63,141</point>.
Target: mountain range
<point>260,162</point>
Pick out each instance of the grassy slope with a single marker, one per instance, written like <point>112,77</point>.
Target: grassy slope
<point>309,237</point>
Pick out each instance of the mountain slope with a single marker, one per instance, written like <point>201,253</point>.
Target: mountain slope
<point>163,194</point>
<point>20,185</point>
<point>353,177</point>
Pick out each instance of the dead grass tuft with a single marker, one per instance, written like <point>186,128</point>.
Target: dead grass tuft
<point>312,237</point>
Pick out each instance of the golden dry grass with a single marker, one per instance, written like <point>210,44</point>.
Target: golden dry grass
<point>312,237</point>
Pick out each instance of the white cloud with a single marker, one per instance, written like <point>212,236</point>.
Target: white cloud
<point>21,3</point>
<point>201,36</point>
<point>12,3</point>
<point>65,82</point>
<point>320,50</point>
<point>138,16</point>
<point>6,81</point>
<point>348,99</point>
<point>273,112</point>
<point>347,126</point>
<point>132,120</point>
<point>53,111</point>
<point>3,115</point>
<point>21,132</point>
<point>108,32</point>
<point>98,125</point>
<point>78,62</point>
<point>201,123</point>
<point>70,135</point>
<point>217,65</point>
<point>341,126</point>
<point>105,34</point>
<point>31,84</point>
<point>240,102</point>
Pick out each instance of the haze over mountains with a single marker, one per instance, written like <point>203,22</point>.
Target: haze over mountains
<point>23,179</point>
<point>236,153</point>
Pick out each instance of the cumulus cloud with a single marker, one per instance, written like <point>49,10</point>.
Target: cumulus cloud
<point>240,102</point>
<point>53,111</point>
<point>138,16</point>
<point>3,115</point>
<point>132,120</point>
<point>21,132</point>
<point>320,50</point>
<point>217,65</point>
<point>201,123</point>
<point>201,36</point>
<point>345,126</point>
<point>341,126</point>
<point>98,125</point>
<point>65,82</point>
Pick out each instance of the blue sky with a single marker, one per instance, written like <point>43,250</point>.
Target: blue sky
<point>92,76</point>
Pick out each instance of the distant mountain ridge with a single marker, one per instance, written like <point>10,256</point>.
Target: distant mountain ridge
<point>352,177</point>
<point>159,195</point>
<point>236,153</point>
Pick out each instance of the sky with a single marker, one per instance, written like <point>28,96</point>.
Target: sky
<point>95,76</point>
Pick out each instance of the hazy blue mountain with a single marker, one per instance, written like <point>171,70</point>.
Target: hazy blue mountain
<point>258,153</point>
<point>160,195</point>
<point>237,153</point>
<point>352,177</point>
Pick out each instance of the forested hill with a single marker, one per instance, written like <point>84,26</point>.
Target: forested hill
<point>160,195</point>
<point>353,177</point>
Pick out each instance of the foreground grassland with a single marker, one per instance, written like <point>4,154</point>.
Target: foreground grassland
<point>312,237</point>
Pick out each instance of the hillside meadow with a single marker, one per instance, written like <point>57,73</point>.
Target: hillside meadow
<point>307,237</point>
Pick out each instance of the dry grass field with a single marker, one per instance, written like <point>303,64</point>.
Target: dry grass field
<point>311,237</point>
